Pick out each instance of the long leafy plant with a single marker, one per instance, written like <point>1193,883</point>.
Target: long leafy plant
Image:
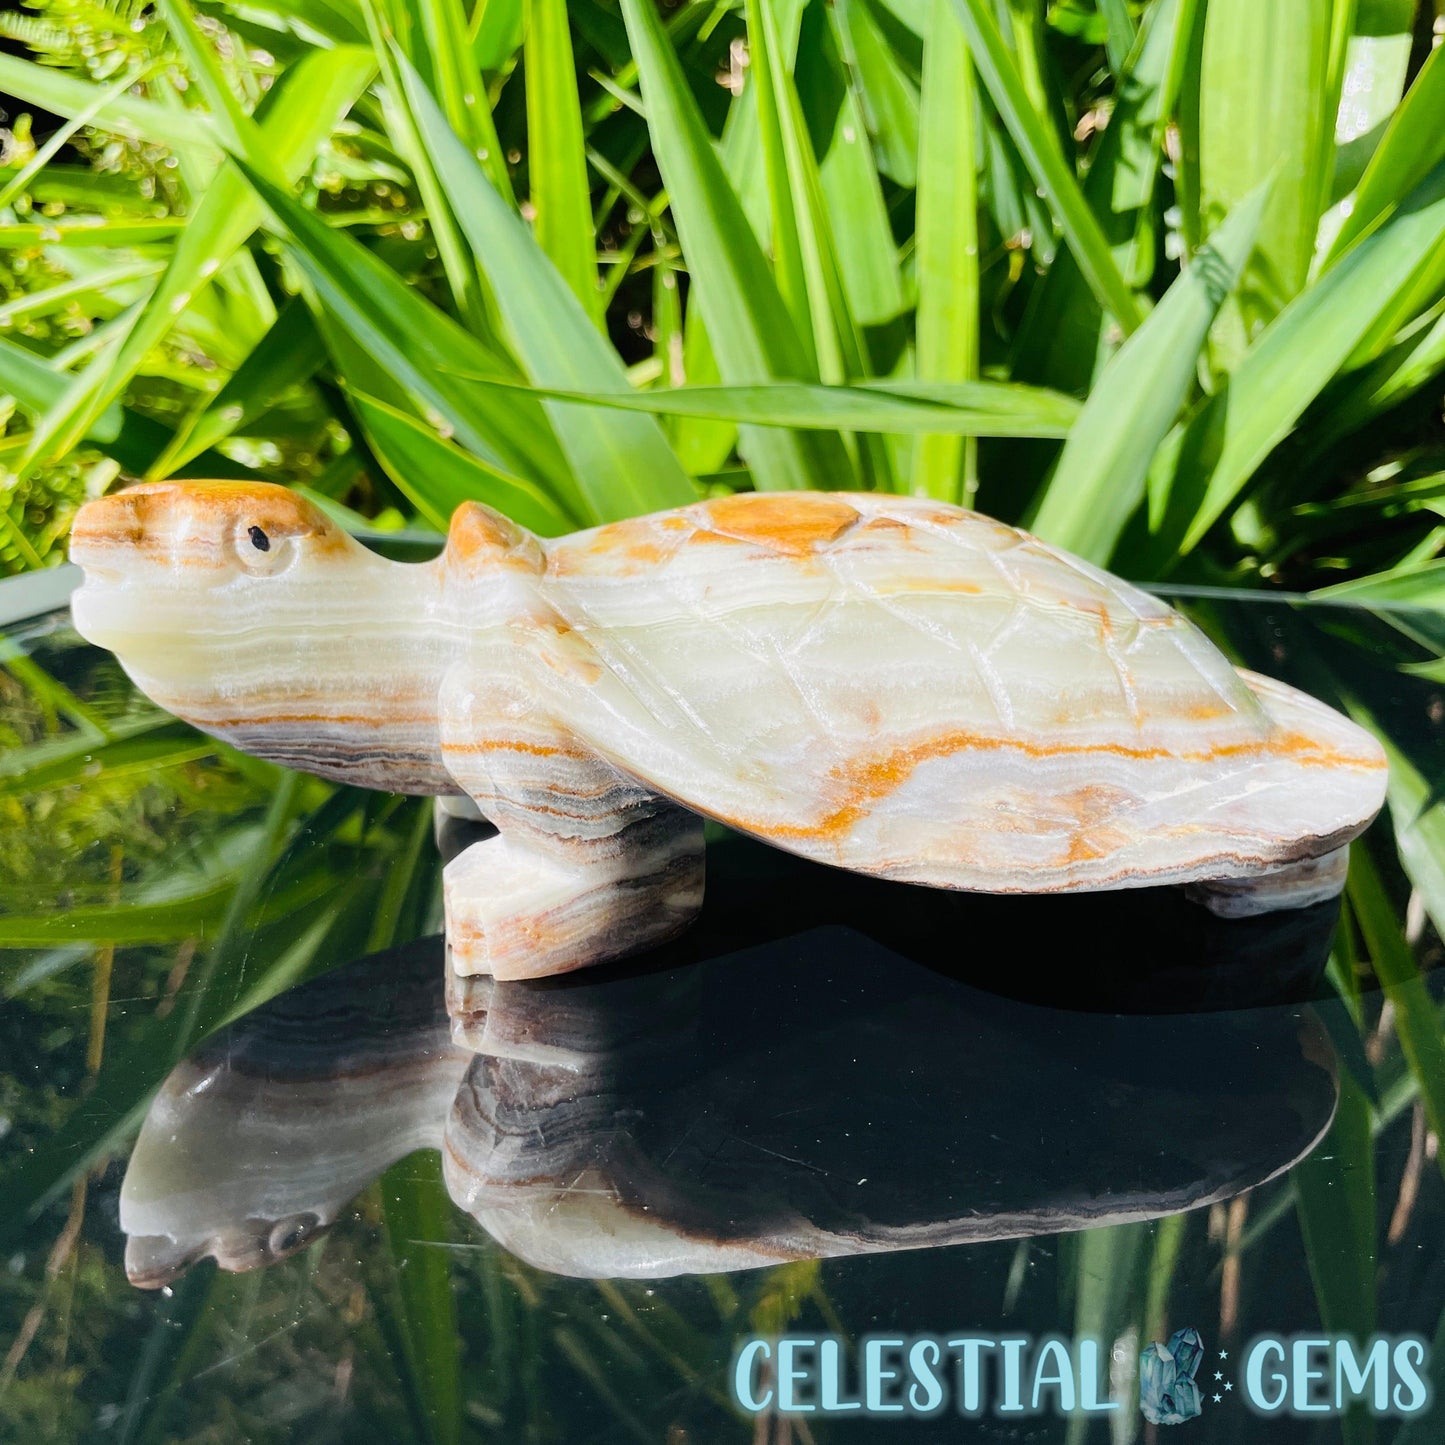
<point>1164,281</point>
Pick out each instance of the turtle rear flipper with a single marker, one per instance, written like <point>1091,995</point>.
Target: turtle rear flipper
<point>1291,885</point>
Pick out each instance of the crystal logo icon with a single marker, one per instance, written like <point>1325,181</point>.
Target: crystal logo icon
<point>1168,1393</point>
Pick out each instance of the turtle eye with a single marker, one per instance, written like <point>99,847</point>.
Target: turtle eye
<point>288,1235</point>
<point>260,553</point>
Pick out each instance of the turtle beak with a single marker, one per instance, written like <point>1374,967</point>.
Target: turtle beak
<point>102,532</point>
<point>153,1261</point>
<point>100,536</point>
<point>116,607</point>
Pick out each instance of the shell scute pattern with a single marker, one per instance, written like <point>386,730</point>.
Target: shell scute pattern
<point>776,620</point>
<point>906,688</point>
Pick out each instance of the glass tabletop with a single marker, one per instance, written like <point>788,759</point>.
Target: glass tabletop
<point>850,1160</point>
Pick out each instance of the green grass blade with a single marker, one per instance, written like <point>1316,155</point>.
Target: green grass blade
<point>667,345</point>
<point>1121,33</point>
<point>497,29</point>
<point>1377,61</point>
<point>37,387</point>
<point>1109,1280</point>
<point>1100,477</point>
<point>1031,134</point>
<point>785,243</point>
<point>747,323</point>
<point>1397,373</point>
<point>1334,1191</point>
<point>622,466</point>
<point>702,445</point>
<point>1291,362</point>
<point>76,189</point>
<point>187,917</point>
<point>437,476</point>
<point>209,995</point>
<point>18,183</point>
<point>837,341</point>
<point>90,232</point>
<point>286,356</point>
<point>125,115</point>
<point>1418,587</point>
<point>441,50</point>
<point>890,100</point>
<point>1264,115</point>
<point>134,440</point>
<point>1065,339</point>
<point>1399,975</point>
<point>472,305</point>
<point>978,408</point>
<point>557,152</point>
<point>740,149</point>
<point>168,745</point>
<point>1342,47</point>
<point>79,290</point>
<point>179,1324</point>
<point>867,254</point>
<point>1417,813</point>
<point>420,349</point>
<point>37,1180</point>
<point>1169,1235</point>
<point>946,246</point>
<point>300,113</point>
<point>1411,147</point>
<point>1020,215</point>
<point>417,1213</point>
<point>1024,27</point>
<point>1186,74</point>
<point>225,112</point>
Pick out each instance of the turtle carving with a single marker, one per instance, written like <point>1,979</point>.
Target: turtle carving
<point>885,684</point>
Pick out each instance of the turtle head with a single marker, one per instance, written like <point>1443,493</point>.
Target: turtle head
<point>155,1260</point>
<point>244,609</point>
<point>162,561</point>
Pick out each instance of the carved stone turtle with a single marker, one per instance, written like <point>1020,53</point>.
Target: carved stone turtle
<point>629,1126</point>
<point>886,684</point>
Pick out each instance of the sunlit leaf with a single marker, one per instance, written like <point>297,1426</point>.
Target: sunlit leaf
<point>745,315</point>
<point>438,476</point>
<point>999,73</point>
<point>621,466</point>
<point>1100,476</point>
<point>977,408</point>
<point>947,241</point>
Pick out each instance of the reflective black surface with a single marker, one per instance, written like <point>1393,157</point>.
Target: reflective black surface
<point>369,1203</point>
<point>814,1096</point>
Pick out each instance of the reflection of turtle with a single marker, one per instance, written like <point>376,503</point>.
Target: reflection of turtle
<point>672,1122</point>
<point>628,1124</point>
<point>253,1145</point>
<point>887,684</point>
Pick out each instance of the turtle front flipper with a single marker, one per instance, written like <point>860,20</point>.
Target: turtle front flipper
<point>589,866</point>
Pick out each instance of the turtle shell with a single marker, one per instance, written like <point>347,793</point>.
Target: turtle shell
<point>906,688</point>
